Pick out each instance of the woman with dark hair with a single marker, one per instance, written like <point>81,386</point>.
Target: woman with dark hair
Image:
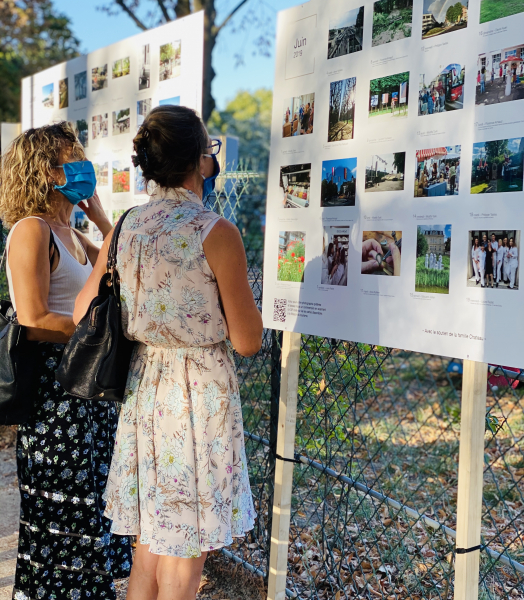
<point>490,261</point>
<point>179,476</point>
<point>65,548</point>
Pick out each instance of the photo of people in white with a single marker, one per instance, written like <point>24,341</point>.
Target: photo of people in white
<point>494,259</point>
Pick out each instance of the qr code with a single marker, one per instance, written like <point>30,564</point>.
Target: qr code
<point>279,310</point>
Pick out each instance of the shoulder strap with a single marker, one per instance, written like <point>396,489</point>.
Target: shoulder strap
<point>52,244</point>
<point>113,247</point>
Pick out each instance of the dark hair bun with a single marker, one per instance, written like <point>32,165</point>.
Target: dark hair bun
<point>169,145</point>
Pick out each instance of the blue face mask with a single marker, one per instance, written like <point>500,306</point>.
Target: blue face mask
<point>209,182</point>
<point>80,181</point>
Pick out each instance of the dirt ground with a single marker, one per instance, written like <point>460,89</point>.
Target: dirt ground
<point>221,580</point>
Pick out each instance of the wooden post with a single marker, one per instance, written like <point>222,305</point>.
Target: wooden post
<point>284,470</point>
<point>470,479</point>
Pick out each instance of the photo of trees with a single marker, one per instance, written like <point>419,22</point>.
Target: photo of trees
<point>341,109</point>
<point>392,21</point>
<point>497,166</point>
<point>388,96</point>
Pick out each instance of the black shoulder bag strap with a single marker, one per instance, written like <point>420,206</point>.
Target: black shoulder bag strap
<point>114,282</point>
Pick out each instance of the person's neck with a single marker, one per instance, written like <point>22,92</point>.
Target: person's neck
<point>194,184</point>
<point>61,216</point>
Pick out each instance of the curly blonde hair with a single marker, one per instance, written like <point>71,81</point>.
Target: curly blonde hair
<point>25,172</point>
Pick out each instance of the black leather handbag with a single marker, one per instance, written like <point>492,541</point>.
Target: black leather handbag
<point>17,366</point>
<point>95,363</point>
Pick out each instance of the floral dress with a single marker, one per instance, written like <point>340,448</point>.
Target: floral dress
<point>179,474</point>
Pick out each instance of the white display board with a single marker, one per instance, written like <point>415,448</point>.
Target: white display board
<point>107,94</point>
<point>397,138</point>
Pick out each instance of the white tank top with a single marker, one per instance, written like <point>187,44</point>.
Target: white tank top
<point>66,282</point>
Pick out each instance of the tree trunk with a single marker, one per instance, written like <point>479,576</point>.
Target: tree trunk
<point>210,35</point>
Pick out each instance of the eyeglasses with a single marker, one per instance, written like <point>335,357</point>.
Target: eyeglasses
<point>214,148</point>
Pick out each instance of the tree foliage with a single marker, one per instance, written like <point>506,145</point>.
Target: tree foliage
<point>422,243</point>
<point>388,84</point>
<point>399,160</point>
<point>454,12</point>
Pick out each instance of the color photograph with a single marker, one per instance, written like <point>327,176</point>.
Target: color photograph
<point>102,173</point>
<point>174,101</point>
<point>63,93</point>
<point>443,16</point>
<point>493,259</point>
<point>345,33</point>
<point>82,132</point>
<point>385,172</point>
<point>298,115</point>
<point>98,78</point>
<point>291,256</point>
<point>48,95</point>
<point>121,121</point>
<point>432,266</point>
<point>497,166</point>
<point>295,181</point>
<point>381,253</point>
<point>339,182</point>
<point>441,92</point>
<point>392,21</point>
<point>80,221</point>
<point>121,67</point>
<point>116,214</point>
<point>99,126</point>
<point>81,86</point>
<point>143,108</point>
<point>144,68</point>
<point>498,9</point>
<point>121,180</point>
<point>170,60</point>
<point>388,96</point>
<point>437,172</point>
<point>500,76</point>
<point>335,249</point>
<point>341,109</point>
<point>140,184</point>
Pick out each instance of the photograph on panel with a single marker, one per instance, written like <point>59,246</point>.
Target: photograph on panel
<point>121,176</point>
<point>121,67</point>
<point>174,101</point>
<point>498,9</point>
<point>291,256</point>
<point>144,68</point>
<point>381,253</point>
<point>339,182</point>
<point>79,220</point>
<point>170,60</point>
<point>345,33</point>
<point>63,93</point>
<point>143,108</point>
<point>98,78</point>
<point>437,172</point>
<point>500,75</point>
<point>335,249</point>
<point>140,182</point>
<point>388,96</point>
<point>100,126</point>
<point>497,166</point>
<point>121,121</point>
<point>82,132</point>
<point>385,172</point>
<point>116,214</point>
<point>81,86</point>
<point>48,95</point>
<point>98,236</point>
<point>441,90</point>
<point>443,16</point>
<point>101,173</point>
<point>298,115</point>
<point>342,109</point>
<point>392,21</point>
<point>493,258</point>
<point>432,266</point>
<point>295,181</point>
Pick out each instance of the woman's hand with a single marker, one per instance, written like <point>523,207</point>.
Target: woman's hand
<point>95,213</point>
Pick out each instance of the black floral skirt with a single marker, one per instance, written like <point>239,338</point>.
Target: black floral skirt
<point>66,550</point>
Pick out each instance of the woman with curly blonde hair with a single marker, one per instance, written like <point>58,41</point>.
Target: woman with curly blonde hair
<point>64,449</point>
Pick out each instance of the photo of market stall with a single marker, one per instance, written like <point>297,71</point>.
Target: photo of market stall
<point>437,172</point>
<point>295,181</point>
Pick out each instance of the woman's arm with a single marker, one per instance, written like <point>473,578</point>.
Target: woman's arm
<point>31,272</point>
<point>226,257</point>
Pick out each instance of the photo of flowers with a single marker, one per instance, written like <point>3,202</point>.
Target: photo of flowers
<point>121,67</point>
<point>121,177</point>
<point>99,126</point>
<point>432,266</point>
<point>82,132</point>
<point>291,256</point>
<point>101,173</point>
<point>63,93</point>
<point>170,60</point>
<point>341,109</point>
<point>121,121</point>
<point>98,78</point>
<point>48,95</point>
<point>392,21</point>
<point>81,86</point>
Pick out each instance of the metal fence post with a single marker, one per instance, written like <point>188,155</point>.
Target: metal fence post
<point>470,479</point>
<point>283,488</point>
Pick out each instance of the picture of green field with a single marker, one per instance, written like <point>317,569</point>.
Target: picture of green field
<point>498,9</point>
<point>121,67</point>
<point>432,266</point>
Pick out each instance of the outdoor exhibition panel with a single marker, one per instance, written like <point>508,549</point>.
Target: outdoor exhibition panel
<point>395,193</point>
<point>107,94</point>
